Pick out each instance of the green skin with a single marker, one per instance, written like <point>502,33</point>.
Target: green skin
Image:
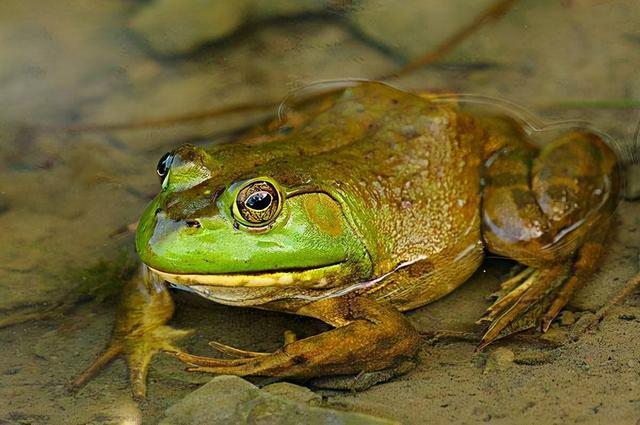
<point>295,239</point>
<point>380,209</point>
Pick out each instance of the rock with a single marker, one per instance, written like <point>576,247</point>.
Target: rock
<point>230,399</point>
<point>177,27</point>
<point>271,8</point>
<point>51,64</point>
<point>276,410</point>
<point>174,27</point>
<point>500,359</point>
<point>226,393</point>
<point>417,26</point>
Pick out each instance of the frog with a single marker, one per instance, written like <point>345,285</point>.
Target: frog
<point>364,202</point>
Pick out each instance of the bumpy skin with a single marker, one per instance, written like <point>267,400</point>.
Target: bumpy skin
<point>382,202</point>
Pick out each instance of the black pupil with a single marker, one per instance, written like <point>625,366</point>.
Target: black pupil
<point>164,164</point>
<point>259,201</point>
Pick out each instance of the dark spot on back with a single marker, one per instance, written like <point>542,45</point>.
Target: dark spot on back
<point>421,268</point>
<point>299,359</point>
<point>505,179</point>
<point>522,198</point>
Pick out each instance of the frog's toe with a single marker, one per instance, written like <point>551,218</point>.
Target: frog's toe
<point>529,296</point>
<point>510,290</point>
<point>139,350</point>
<point>289,337</point>
<point>242,356</point>
<point>203,361</point>
<point>235,352</point>
<point>278,363</point>
<point>115,349</point>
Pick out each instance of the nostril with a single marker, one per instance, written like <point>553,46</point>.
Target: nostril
<point>193,223</point>
<point>158,211</point>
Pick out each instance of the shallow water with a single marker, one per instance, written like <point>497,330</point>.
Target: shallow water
<point>67,197</point>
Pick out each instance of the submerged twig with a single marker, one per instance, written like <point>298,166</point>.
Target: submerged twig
<point>475,337</point>
<point>36,313</point>
<point>163,121</point>
<point>493,12</point>
<point>624,293</point>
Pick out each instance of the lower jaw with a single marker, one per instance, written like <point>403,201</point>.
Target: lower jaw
<point>310,278</point>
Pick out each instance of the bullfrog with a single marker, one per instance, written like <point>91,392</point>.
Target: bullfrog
<point>364,202</point>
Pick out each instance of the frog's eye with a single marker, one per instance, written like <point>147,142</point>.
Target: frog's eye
<point>257,203</point>
<point>163,165</point>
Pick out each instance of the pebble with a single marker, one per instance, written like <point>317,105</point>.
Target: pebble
<point>567,318</point>
<point>499,359</point>
<point>554,335</point>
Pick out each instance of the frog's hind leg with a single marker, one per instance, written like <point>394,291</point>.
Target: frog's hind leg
<point>550,212</point>
<point>370,339</point>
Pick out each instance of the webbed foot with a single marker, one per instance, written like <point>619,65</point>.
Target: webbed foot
<point>139,332</point>
<point>535,296</point>
<point>524,300</point>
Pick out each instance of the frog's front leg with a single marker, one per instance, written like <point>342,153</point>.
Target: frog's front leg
<point>368,337</point>
<point>139,331</point>
<point>550,212</point>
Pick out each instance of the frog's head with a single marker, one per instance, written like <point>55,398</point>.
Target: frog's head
<point>214,226</point>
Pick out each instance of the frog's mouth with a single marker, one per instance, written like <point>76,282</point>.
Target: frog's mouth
<point>308,278</point>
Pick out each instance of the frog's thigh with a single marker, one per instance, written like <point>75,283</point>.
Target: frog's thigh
<point>550,212</point>
<point>533,205</point>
